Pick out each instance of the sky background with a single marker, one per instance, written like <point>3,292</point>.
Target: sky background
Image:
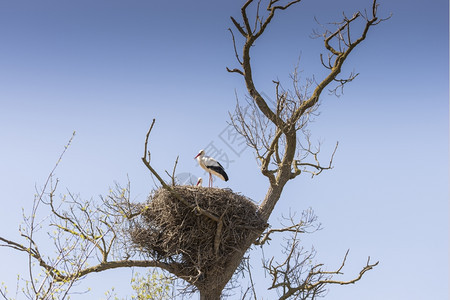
<point>105,69</point>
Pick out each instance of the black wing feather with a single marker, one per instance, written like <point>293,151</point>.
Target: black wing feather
<point>219,170</point>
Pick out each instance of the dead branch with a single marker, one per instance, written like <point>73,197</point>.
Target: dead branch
<point>321,283</point>
<point>307,224</point>
<point>147,156</point>
<point>247,268</point>
<point>297,164</point>
<point>172,176</point>
<point>296,276</point>
<point>235,50</point>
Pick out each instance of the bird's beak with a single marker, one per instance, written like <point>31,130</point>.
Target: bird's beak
<point>196,156</point>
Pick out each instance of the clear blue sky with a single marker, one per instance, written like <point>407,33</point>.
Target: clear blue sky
<point>106,68</point>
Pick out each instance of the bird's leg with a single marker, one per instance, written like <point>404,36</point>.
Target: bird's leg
<point>210,180</point>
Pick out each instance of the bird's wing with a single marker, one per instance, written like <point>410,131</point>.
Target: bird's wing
<point>211,162</point>
<point>220,165</point>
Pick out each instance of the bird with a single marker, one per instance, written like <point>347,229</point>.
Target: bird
<point>211,166</point>
<point>199,182</point>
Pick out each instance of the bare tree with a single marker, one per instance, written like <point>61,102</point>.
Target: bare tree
<point>91,237</point>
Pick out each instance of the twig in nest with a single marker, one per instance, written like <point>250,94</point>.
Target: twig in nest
<point>218,233</point>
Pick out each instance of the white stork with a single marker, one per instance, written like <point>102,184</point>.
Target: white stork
<point>199,181</point>
<point>211,166</point>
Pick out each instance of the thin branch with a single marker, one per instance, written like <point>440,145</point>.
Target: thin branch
<point>172,177</point>
<point>173,172</point>
<point>366,268</point>
<point>3,294</point>
<point>234,47</point>
<point>247,266</point>
<point>319,169</point>
<point>307,224</point>
<point>266,237</point>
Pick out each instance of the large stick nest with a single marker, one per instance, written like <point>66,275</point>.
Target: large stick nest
<point>171,230</point>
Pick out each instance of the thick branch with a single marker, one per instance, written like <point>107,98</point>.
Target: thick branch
<point>251,35</point>
<point>172,267</point>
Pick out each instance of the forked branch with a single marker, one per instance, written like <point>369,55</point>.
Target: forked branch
<point>315,168</point>
<point>296,276</point>
<point>317,271</point>
<point>307,224</point>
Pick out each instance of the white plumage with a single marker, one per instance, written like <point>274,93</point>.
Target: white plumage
<point>211,166</point>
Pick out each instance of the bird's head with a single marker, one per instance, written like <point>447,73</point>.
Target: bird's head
<point>200,153</point>
<point>199,181</point>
